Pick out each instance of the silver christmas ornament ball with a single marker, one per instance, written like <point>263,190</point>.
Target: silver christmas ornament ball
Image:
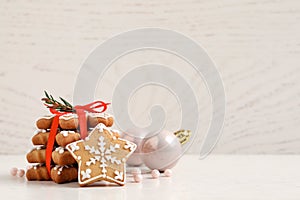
<point>161,151</point>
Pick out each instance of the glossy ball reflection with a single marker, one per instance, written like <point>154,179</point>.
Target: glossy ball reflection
<point>136,136</point>
<point>161,151</point>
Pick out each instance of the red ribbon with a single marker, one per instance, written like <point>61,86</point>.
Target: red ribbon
<point>81,112</point>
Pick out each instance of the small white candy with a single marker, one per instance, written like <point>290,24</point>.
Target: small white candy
<point>13,171</point>
<point>168,172</point>
<point>21,172</point>
<point>138,178</point>
<point>155,173</point>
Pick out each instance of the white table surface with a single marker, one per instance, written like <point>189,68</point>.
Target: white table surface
<point>216,177</point>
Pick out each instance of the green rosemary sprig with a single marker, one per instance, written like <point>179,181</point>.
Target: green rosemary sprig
<point>50,102</point>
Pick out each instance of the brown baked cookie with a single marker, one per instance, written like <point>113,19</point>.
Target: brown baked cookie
<point>116,133</point>
<point>37,155</point>
<point>60,156</point>
<point>64,174</point>
<point>96,118</point>
<point>44,122</point>
<point>37,173</point>
<point>65,137</point>
<point>101,156</point>
<point>41,137</point>
<point>68,121</point>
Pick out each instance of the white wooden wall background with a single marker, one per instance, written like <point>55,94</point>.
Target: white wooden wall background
<point>255,44</point>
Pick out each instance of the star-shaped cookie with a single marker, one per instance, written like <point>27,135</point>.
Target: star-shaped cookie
<point>101,156</point>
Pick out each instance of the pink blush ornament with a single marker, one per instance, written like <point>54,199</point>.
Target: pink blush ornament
<point>138,178</point>
<point>20,173</point>
<point>155,173</point>
<point>168,173</point>
<point>161,151</point>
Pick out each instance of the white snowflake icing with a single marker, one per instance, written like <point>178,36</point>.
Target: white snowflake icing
<point>130,146</point>
<point>40,131</point>
<point>38,148</point>
<point>68,116</point>
<point>93,160</point>
<point>86,174</point>
<point>116,131</point>
<point>66,133</point>
<point>100,127</point>
<point>60,150</point>
<point>103,154</point>
<point>73,147</point>
<point>60,169</point>
<point>119,175</point>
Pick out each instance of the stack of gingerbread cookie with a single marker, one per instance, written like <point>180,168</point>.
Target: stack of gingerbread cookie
<point>64,167</point>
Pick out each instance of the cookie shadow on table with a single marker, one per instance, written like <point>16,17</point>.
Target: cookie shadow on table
<point>101,184</point>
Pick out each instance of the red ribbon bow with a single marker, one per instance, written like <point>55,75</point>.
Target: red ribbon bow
<point>81,112</point>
